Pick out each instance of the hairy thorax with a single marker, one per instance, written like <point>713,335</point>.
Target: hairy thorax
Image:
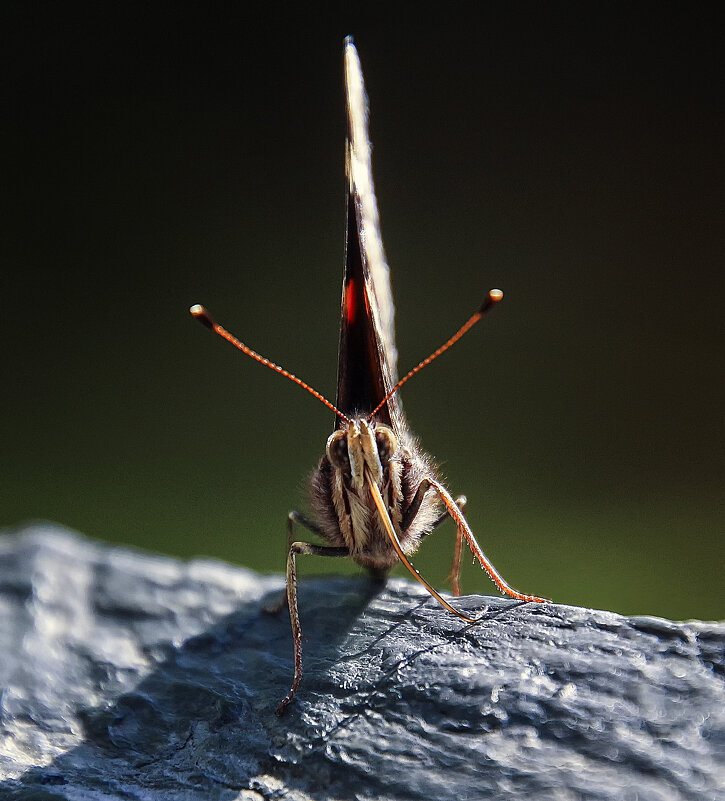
<point>343,506</point>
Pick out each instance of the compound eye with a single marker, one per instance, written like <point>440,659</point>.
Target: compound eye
<point>387,443</point>
<point>337,450</point>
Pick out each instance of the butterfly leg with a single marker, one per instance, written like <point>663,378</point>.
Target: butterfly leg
<point>464,532</point>
<point>294,549</point>
<point>455,574</point>
<point>412,511</point>
<point>292,518</point>
<point>461,502</point>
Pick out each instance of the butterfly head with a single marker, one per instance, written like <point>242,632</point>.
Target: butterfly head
<point>362,447</point>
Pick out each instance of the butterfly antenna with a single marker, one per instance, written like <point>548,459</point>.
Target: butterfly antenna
<point>203,316</point>
<point>493,297</point>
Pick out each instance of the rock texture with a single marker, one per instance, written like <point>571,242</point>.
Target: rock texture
<point>126,675</point>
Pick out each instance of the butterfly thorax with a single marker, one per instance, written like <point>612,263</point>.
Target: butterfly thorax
<point>361,453</point>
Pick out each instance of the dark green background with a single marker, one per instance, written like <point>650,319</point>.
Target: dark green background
<point>158,155</point>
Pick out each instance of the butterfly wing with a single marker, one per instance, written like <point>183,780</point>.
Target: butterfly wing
<point>368,359</point>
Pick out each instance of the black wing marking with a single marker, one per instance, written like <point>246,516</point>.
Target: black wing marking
<point>368,358</point>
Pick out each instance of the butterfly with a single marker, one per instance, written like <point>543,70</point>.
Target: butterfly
<point>375,494</point>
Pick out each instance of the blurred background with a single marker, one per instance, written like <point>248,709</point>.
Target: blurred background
<point>159,155</point>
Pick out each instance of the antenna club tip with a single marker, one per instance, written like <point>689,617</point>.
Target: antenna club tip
<point>493,297</point>
<point>202,315</point>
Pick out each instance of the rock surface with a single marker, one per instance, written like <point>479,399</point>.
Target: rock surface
<point>126,675</point>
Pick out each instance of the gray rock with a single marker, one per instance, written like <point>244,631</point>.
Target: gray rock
<point>126,675</point>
